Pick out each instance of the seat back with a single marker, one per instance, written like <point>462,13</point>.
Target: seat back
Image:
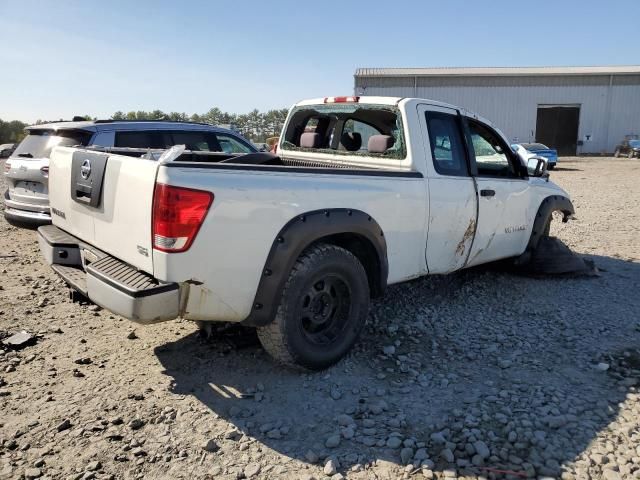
<point>380,143</point>
<point>310,140</point>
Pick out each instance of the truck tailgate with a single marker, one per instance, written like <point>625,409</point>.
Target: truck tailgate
<point>105,200</point>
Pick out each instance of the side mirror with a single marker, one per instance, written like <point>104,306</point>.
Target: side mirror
<point>537,166</point>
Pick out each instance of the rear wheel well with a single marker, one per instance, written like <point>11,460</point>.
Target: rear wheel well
<point>351,230</point>
<point>365,252</point>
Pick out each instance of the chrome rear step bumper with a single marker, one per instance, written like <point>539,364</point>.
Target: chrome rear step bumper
<point>107,281</point>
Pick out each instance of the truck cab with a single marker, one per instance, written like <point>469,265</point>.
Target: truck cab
<point>481,197</point>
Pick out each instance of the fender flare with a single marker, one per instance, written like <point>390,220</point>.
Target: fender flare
<point>550,204</point>
<point>297,235</point>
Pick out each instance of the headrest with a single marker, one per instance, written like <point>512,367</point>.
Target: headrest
<point>351,141</point>
<point>380,143</point>
<point>310,140</point>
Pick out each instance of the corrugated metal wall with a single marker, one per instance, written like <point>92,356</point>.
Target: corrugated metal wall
<point>607,112</point>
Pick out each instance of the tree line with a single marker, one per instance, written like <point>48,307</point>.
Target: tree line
<point>255,125</point>
<point>11,132</point>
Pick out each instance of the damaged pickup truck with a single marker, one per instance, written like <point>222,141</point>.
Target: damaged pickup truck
<point>364,192</point>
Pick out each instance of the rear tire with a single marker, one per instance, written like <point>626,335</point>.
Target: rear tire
<point>323,308</point>
<point>551,167</point>
<point>630,154</point>
<point>616,153</point>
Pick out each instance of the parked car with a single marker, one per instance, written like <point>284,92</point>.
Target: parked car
<point>6,149</point>
<point>629,147</point>
<point>27,170</point>
<point>366,192</point>
<point>528,150</point>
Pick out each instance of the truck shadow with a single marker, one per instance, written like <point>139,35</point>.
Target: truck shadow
<point>566,169</point>
<point>491,372</point>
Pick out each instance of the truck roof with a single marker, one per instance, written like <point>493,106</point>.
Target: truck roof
<point>371,100</point>
<point>362,99</point>
<point>375,100</point>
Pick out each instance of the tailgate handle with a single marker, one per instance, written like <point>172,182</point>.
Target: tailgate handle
<point>83,193</point>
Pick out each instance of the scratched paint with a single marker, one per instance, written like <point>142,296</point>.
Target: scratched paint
<point>200,300</point>
<point>468,235</point>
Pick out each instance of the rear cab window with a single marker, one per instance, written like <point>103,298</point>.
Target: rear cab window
<point>39,142</point>
<point>365,130</point>
<point>447,144</point>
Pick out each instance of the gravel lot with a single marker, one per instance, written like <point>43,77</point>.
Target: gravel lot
<point>481,374</point>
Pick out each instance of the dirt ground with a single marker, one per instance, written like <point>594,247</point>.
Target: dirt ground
<point>480,374</point>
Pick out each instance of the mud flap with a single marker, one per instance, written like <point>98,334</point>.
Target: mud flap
<point>553,257</point>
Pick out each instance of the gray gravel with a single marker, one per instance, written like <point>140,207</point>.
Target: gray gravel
<point>480,374</point>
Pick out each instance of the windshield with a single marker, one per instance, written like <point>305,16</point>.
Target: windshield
<point>39,143</point>
<point>634,143</point>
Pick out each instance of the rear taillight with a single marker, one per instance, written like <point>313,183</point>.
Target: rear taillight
<point>178,214</point>
<point>44,171</point>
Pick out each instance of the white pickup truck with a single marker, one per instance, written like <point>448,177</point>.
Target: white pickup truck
<point>364,192</point>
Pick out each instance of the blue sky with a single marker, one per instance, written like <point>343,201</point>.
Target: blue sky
<point>60,58</point>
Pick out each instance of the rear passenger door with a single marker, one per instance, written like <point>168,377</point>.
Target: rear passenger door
<point>451,190</point>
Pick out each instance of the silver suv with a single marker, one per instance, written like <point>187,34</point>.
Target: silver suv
<point>27,170</point>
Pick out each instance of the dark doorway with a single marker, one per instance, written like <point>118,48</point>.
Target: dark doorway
<point>557,127</point>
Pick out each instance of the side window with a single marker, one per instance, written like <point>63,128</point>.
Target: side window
<point>196,141</point>
<point>355,135</point>
<point>447,146</point>
<point>492,160</point>
<point>228,144</point>
<point>142,139</point>
<point>103,139</point>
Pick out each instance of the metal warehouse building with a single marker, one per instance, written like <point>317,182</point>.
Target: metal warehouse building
<point>573,109</point>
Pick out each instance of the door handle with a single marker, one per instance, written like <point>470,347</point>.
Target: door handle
<point>487,193</point>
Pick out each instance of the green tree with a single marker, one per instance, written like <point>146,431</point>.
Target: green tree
<point>255,125</point>
<point>12,132</point>
<point>178,117</point>
<point>157,115</point>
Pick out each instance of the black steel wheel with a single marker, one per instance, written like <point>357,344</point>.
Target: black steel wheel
<point>323,308</point>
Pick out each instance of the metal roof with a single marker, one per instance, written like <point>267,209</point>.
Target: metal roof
<point>497,71</point>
